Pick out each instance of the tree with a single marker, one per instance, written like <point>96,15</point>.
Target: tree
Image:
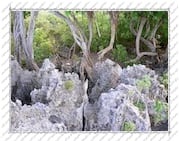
<point>90,15</point>
<point>24,40</point>
<point>81,39</point>
<point>149,38</point>
<point>114,21</point>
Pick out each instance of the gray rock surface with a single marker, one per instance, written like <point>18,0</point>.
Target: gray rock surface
<point>130,99</point>
<point>131,75</point>
<point>33,118</point>
<point>116,107</point>
<point>107,75</point>
<point>63,96</point>
<point>22,83</point>
<point>133,101</point>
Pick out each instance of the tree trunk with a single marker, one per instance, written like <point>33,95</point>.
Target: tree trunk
<point>26,42</point>
<point>80,39</point>
<point>142,23</point>
<point>17,42</point>
<point>30,33</point>
<point>114,21</point>
<point>138,38</point>
<point>90,15</point>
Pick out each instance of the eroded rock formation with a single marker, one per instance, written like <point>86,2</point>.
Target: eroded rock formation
<point>129,99</point>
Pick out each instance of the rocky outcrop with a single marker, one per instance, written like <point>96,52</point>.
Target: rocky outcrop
<point>33,118</point>
<point>22,83</point>
<point>62,96</point>
<point>116,107</point>
<point>136,100</point>
<point>129,99</point>
<point>139,75</point>
<point>106,76</point>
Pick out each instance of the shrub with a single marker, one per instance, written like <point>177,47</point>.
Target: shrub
<point>159,108</point>
<point>140,105</point>
<point>129,126</point>
<point>69,85</point>
<point>120,53</point>
<point>144,83</point>
<point>164,80</point>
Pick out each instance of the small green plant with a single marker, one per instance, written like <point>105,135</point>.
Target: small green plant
<point>69,85</point>
<point>157,118</point>
<point>140,105</point>
<point>120,53</point>
<point>144,83</point>
<point>164,79</point>
<point>159,107</point>
<point>129,126</point>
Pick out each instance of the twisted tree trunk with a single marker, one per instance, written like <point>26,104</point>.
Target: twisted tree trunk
<point>21,41</point>
<point>80,39</point>
<point>114,21</point>
<point>138,38</point>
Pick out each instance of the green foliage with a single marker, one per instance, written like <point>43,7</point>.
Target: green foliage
<point>120,53</point>
<point>157,118</point>
<point>159,108</point>
<point>123,30</point>
<point>140,105</point>
<point>164,80</point>
<point>43,47</point>
<point>129,126</point>
<point>102,22</point>
<point>51,33</point>
<point>69,85</point>
<point>144,83</point>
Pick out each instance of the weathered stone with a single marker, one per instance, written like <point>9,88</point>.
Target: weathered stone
<point>22,82</point>
<point>64,102</point>
<point>33,118</point>
<point>107,75</point>
<point>68,103</point>
<point>114,108</point>
<point>132,74</point>
<point>60,101</point>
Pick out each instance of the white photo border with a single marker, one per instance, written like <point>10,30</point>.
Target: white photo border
<point>170,6</point>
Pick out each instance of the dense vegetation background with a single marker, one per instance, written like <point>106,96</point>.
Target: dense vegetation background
<point>52,33</point>
<point>52,36</point>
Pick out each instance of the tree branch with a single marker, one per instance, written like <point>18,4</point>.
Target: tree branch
<point>114,21</point>
<point>146,42</point>
<point>90,15</point>
<point>156,27</point>
<point>78,37</point>
<point>138,38</point>
<point>142,23</point>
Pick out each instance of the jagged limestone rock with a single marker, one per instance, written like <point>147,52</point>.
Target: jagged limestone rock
<point>33,118</point>
<point>132,74</point>
<point>114,108</point>
<point>137,85</point>
<point>22,82</point>
<point>65,102</point>
<point>131,99</point>
<point>107,75</point>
